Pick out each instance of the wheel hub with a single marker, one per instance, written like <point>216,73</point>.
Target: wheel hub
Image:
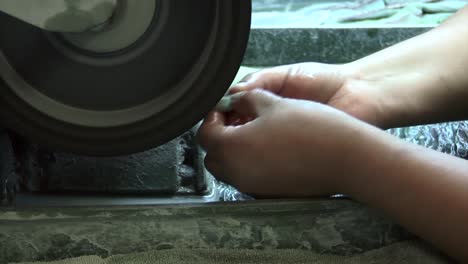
<point>130,21</point>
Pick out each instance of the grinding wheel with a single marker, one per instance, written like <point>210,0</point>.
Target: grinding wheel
<point>150,74</point>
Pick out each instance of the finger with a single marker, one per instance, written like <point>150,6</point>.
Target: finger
<point>253,103</point>
<point>273,79</point>
<point>212,131</point>
<point>215,167</point>
<point>212,166</point>
<point>233,119</point>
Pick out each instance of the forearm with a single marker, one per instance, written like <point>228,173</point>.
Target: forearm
<point>421,80</point>
<point>425,191</point>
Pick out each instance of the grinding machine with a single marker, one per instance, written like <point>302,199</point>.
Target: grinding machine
<point>115,77</point>
<point>96,93</point>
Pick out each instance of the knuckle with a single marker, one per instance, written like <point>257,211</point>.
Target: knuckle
<point>252,76</point>
<point>203,136</point>
<point>250,95</point>
<point>255,94</point>
<point>211,140</point>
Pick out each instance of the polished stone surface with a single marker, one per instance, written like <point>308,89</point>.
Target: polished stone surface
<point>401,253</point>
<point>337,227</point>
<point>271,47</point>
<point>354,13</point>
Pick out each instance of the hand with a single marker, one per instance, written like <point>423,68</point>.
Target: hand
<point>290,148</point>
<point>334,85</point>
<point>294,148</point>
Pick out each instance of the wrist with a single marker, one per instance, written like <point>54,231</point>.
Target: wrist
<point>397,95</point>
<point>419,81</point>
<point>365,95</point>
<point>376,157</point>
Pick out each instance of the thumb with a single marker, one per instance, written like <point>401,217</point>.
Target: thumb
<point>212,132</point>
<point>253,103</point>
<point>272,79</point>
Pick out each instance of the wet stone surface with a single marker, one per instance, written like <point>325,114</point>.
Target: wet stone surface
<point>337,227</point>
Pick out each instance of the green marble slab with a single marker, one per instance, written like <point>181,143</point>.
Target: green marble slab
<point>333,227</point>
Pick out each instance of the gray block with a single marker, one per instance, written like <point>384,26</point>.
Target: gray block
<point>9,181</point>
<point>157,171</point>
<point>153,171</point>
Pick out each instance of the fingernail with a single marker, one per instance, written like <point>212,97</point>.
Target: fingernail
<point>226,103</point>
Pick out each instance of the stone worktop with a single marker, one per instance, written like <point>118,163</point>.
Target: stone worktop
<point>332,226</point>
<point>351,13</point>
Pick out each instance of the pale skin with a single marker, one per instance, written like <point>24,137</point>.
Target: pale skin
<point>313,129</point>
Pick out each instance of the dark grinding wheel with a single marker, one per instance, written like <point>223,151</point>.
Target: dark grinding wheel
<point>116,91</point>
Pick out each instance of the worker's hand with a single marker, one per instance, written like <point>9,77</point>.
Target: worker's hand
<point>290,147</point>
<point>334,85</point>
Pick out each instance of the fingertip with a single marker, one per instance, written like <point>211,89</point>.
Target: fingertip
<point>211,130</point>
<point>207,126</point>
<point>215,117</point>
